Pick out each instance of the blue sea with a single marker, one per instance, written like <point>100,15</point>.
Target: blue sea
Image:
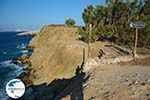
<point>11,46</point>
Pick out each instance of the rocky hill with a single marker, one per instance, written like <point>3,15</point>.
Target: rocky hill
<point>56,54</point>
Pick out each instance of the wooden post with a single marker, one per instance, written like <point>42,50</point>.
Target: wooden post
<point>83,55</point>
<point>89,45</point>
<point>136,40</point>
<point>89,42</point>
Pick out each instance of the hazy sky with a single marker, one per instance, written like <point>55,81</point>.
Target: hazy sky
<point>33,14</point>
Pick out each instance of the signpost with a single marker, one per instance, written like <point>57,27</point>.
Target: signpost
<point>136,25</point>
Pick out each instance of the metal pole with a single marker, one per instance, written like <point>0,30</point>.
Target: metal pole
<point>136,40</point>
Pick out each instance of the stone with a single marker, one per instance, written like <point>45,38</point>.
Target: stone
<point>24,59</point>
<point>91,98</point>
<point>143,84</point>
<point>15,61</point>
<point>26,80</point>
<point>135,74</point>
<point>147,95</point>
<point>148,80</point>
<point>127,79</point>
<point>135,82</point>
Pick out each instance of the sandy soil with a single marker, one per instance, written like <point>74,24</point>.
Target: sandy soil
<point>125,81</point>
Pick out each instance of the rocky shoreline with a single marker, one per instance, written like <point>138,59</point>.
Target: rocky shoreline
<point>23,60</point>
<point>57,85</point>
<point>26,75</point>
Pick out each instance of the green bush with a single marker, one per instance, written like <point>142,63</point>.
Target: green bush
<point>70,22</point>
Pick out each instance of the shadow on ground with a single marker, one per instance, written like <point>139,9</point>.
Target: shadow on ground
<point>70,89</point>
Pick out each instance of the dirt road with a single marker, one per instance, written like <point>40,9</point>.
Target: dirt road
<point>126,81</point>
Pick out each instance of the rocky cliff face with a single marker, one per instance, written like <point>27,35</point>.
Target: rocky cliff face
<point>56,53</point>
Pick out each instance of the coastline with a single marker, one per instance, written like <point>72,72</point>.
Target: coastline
<point>26,74</point>
<point>11,47</point>
<point>29,76</point>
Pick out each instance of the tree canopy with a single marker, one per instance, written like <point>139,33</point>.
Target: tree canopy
<point>70,22</point>
<point>113,21</point>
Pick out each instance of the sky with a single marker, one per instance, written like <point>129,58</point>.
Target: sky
<point>33,14</point>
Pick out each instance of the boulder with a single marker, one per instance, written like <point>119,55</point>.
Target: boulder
<point>24,59</point>
<point>25,77</point>
<point>15,61</point>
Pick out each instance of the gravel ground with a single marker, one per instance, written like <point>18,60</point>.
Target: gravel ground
<point>127,81</point>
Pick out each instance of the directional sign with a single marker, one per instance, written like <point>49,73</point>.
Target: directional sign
<point>137,25</point>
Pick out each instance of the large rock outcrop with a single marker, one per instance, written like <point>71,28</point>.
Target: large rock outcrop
<point>56,53</point>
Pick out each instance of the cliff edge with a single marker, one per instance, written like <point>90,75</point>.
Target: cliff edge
<point>56,53</point>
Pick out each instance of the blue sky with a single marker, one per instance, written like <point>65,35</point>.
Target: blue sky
<point>33,14</point>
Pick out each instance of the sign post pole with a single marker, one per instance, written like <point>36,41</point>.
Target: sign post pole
<point>137,26</point>
<point>136,40</point>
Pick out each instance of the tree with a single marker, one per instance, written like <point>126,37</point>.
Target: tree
<point>88,15</point>
<point>112,1</point>
<point>70,22</point>
<point>113,20</point>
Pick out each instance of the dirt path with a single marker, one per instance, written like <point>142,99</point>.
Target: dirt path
<point>119,82</point>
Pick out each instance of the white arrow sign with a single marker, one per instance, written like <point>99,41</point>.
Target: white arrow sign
<point>137,25</point>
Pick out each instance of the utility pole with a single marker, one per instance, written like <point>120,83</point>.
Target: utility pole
<point>136,40</point>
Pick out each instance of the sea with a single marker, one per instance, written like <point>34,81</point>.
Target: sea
<point>11,46</point>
